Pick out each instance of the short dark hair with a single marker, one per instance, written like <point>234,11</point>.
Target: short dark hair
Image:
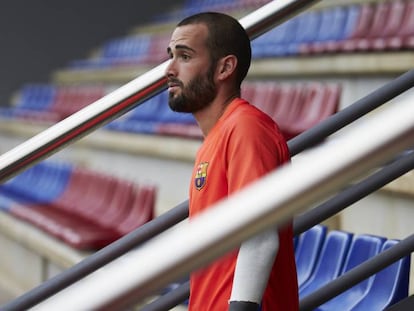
<point>225,37</point>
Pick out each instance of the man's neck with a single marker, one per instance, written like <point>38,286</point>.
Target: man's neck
<point>209,116</point>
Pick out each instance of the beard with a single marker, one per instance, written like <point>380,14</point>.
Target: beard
<point>196,95</point>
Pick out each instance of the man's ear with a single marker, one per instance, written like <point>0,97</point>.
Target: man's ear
<point>226,67</point>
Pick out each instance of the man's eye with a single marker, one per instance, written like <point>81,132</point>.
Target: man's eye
<point>185,57</point>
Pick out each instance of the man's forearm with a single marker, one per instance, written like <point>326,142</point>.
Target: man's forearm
<point>254,264</point>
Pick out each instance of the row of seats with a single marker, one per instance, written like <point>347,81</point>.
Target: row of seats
<point>127,51</point>
<point>323,255</point>
<point>295,107</point>
<point>152,48</point>
<point>85,208</point>
<point>377,26</point>
<point>51,103</point>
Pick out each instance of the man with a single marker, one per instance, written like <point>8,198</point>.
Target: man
<point>210,55</point>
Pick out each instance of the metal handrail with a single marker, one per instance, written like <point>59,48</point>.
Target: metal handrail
<point>310,218</point>
<point>175,253</point>
<point>296,145</point>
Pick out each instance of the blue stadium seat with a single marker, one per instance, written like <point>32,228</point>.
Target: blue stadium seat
<point>330,262</point>
<point>42,183</point>
<point>362,248</point>
<point>307,251</point>
<point>331,28</point>
<point>37,97</point>
<point>352,16</point>
<point>389,286</point>
<point>308,28</point>
<point>273,43</point>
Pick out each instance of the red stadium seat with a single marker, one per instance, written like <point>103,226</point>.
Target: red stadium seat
<point>288,106</point>
<point>266,96</point>
<point>320,101</point>
<point>392,26</point>
<point>142,210</point>
<point>90,213</point>
<point>379,19</point>
<point>70,99</point>
<point>117,207</point>
<point>404,38</point>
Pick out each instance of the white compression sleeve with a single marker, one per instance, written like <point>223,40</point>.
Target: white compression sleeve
<point>254,263</point>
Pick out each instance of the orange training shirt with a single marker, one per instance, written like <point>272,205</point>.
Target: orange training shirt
<point>244,145</point>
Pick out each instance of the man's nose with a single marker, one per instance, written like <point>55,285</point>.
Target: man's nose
<point>170,71</point>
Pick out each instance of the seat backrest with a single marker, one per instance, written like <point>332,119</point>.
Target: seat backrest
<point>330,262</point>
<point>364,21</point>
<point>308,247</point>
<point>332,23</point>
<point>389,286</point>
<point>363,247</point>
<point>407,25</point>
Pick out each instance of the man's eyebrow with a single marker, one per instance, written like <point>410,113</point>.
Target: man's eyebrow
<point>180,47</point>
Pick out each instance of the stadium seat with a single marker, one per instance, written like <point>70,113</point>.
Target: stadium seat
<point>389,286</point>
<point>70,99</point>
<point>352,17</point>
<point>359,31</point>
<point>376,28</point>
<point>404,38</point>
<point>42,183</point>
<point>363,247</point>
<point>92,211</point>
<point>274,42</point>
<point>157,50</point>
<point>288,106</point>
<point>306,32</point>
<point>318,103</point>
<point>331,28</point>
<point>330,262</point>
<point>266,97</point>
<point>33,104</point>
<point>141,210</point>
<point>392,26</point>
<point>308,247</point>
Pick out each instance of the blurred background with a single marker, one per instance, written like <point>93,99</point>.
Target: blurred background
<point>44,35</point>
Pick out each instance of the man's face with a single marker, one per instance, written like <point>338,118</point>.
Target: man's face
<point>190,73</point>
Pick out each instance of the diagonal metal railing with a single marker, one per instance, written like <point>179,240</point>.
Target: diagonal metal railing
<point>174,253</point>
<point>314,216</point>
<point>127,98</point>
<point>305,140</point>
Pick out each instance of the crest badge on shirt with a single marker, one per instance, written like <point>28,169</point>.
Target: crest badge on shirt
<point>200,177</point>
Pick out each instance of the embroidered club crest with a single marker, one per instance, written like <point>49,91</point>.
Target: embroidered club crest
<point>201,175</point>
